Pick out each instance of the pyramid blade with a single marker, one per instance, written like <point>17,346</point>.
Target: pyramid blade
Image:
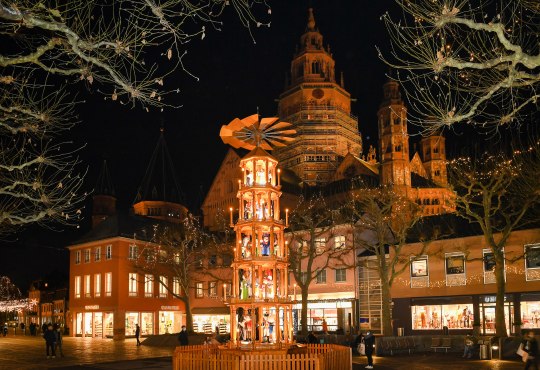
<point>250,120</point>
<point>235,125</point>
<point>266,122</point>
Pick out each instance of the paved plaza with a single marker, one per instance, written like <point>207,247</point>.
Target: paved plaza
<point>28,353</point>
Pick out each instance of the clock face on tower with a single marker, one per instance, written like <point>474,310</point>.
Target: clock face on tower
<point>317,93</point>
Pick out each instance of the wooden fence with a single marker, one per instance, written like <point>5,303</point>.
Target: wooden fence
<point>313,357</point>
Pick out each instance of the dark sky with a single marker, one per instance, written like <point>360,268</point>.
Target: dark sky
<point>236,76</point>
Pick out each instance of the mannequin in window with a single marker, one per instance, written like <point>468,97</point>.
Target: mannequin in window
<point>260,177</point>
<point>248,210</point>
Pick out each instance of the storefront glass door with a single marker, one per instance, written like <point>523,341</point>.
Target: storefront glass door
<point>487,317</point>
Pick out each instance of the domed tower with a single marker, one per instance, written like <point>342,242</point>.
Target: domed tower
<point>261,311</point>
<point>319,109</point>
<point>104,198</point>
<point>394,139</point>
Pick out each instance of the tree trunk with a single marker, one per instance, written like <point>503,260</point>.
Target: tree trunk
<point>500,325</point>
<point>189,315</point>
<point>303,316</point>
<point>386,296</point>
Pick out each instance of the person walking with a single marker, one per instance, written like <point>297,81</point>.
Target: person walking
<point>183,336</point>
<point>470,341</point>
<point>530,345</point>
<point>50,340</point>
<point>324,326</point>
<point>59,339</point>
<point>138,334</point>
<point>369,341</point>
<point>5,329</point>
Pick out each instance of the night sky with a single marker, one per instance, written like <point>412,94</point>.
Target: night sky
<point>236,77</point>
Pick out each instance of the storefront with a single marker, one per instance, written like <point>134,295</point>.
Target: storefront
<point>462,312</point>
<point>338,316</point>
<point>207,319</point>
<point>98,324</point>
<point>94,323</point>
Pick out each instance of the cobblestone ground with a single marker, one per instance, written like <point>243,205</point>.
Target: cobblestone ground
<point>28,353</point>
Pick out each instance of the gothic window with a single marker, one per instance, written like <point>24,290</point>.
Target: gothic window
<point>436,150</point>
<point>437,173</point>
<point>315,68</point>
<point>398,148</point>
<point>397,121</point>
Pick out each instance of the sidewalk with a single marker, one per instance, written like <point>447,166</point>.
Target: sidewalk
<point>28,353</point>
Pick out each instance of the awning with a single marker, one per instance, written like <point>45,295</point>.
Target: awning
<point>210,311</point>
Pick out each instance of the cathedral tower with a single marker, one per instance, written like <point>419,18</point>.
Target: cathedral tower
<point>394,139</point>
<point>320,111</point>
<point>433,153</point>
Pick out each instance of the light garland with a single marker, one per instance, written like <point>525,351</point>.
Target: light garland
<point>18,305</point>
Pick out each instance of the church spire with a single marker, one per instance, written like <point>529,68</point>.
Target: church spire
<point>311,21</point>
<point>104,199</point>
<point>159,194</point>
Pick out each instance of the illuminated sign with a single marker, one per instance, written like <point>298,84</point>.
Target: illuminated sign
<point>170,308</point>
<point>92,307</point>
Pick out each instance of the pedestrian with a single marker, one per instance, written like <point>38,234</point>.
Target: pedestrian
<point>23,328</point>
<point>369,342</point>
<point>50,341</point>
<point>324,326</point>
<point>530,346</point>
<point>356,345</point>
<point>183,336</point>
<point>5,329</point>
<point>312,339</point>
<point>59,339</point>
<point>138,334</point>
<point>470,341</point>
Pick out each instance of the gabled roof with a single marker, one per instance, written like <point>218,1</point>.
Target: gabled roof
<point>352,166</point>
<point>418,181</point>
<point>122,224</point>
<point>160,181</point>
<point>417,166</point>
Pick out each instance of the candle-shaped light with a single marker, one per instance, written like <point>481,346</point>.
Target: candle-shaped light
<point>239,184</point>
<point>225,291</point>
<point>286,217</point>
<point>278,176</point>
<point>230,209</point>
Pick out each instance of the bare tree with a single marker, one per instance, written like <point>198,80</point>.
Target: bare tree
<point>382,221</point>
<point>499,193</point>
<point>311,249</point>
<point>472,61</point>
<point>123,49</point>
<point>184,252</point>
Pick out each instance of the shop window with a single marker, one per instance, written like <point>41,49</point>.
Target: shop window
<point>435,317</point>
<point>199,290</point>
<point>108,284</point>
<point>87,256</point>
<point>163,284</point>
<point>87,289</point>
<point>212,289</point>
<point>341,275</point>
<point>339,242</point>
<point>97,285</point>
<point>455,269</point>
<point>77,257</point>
<point>97,254</point>
<point>108,252</point>
<point>321,276</point>
<point>132,284</point>
<point>148,285</point>
<point>532,262</point>
<point>133,252</point>
<point>419,272</point>
<point>77,287</point>
<point>530,314</point>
